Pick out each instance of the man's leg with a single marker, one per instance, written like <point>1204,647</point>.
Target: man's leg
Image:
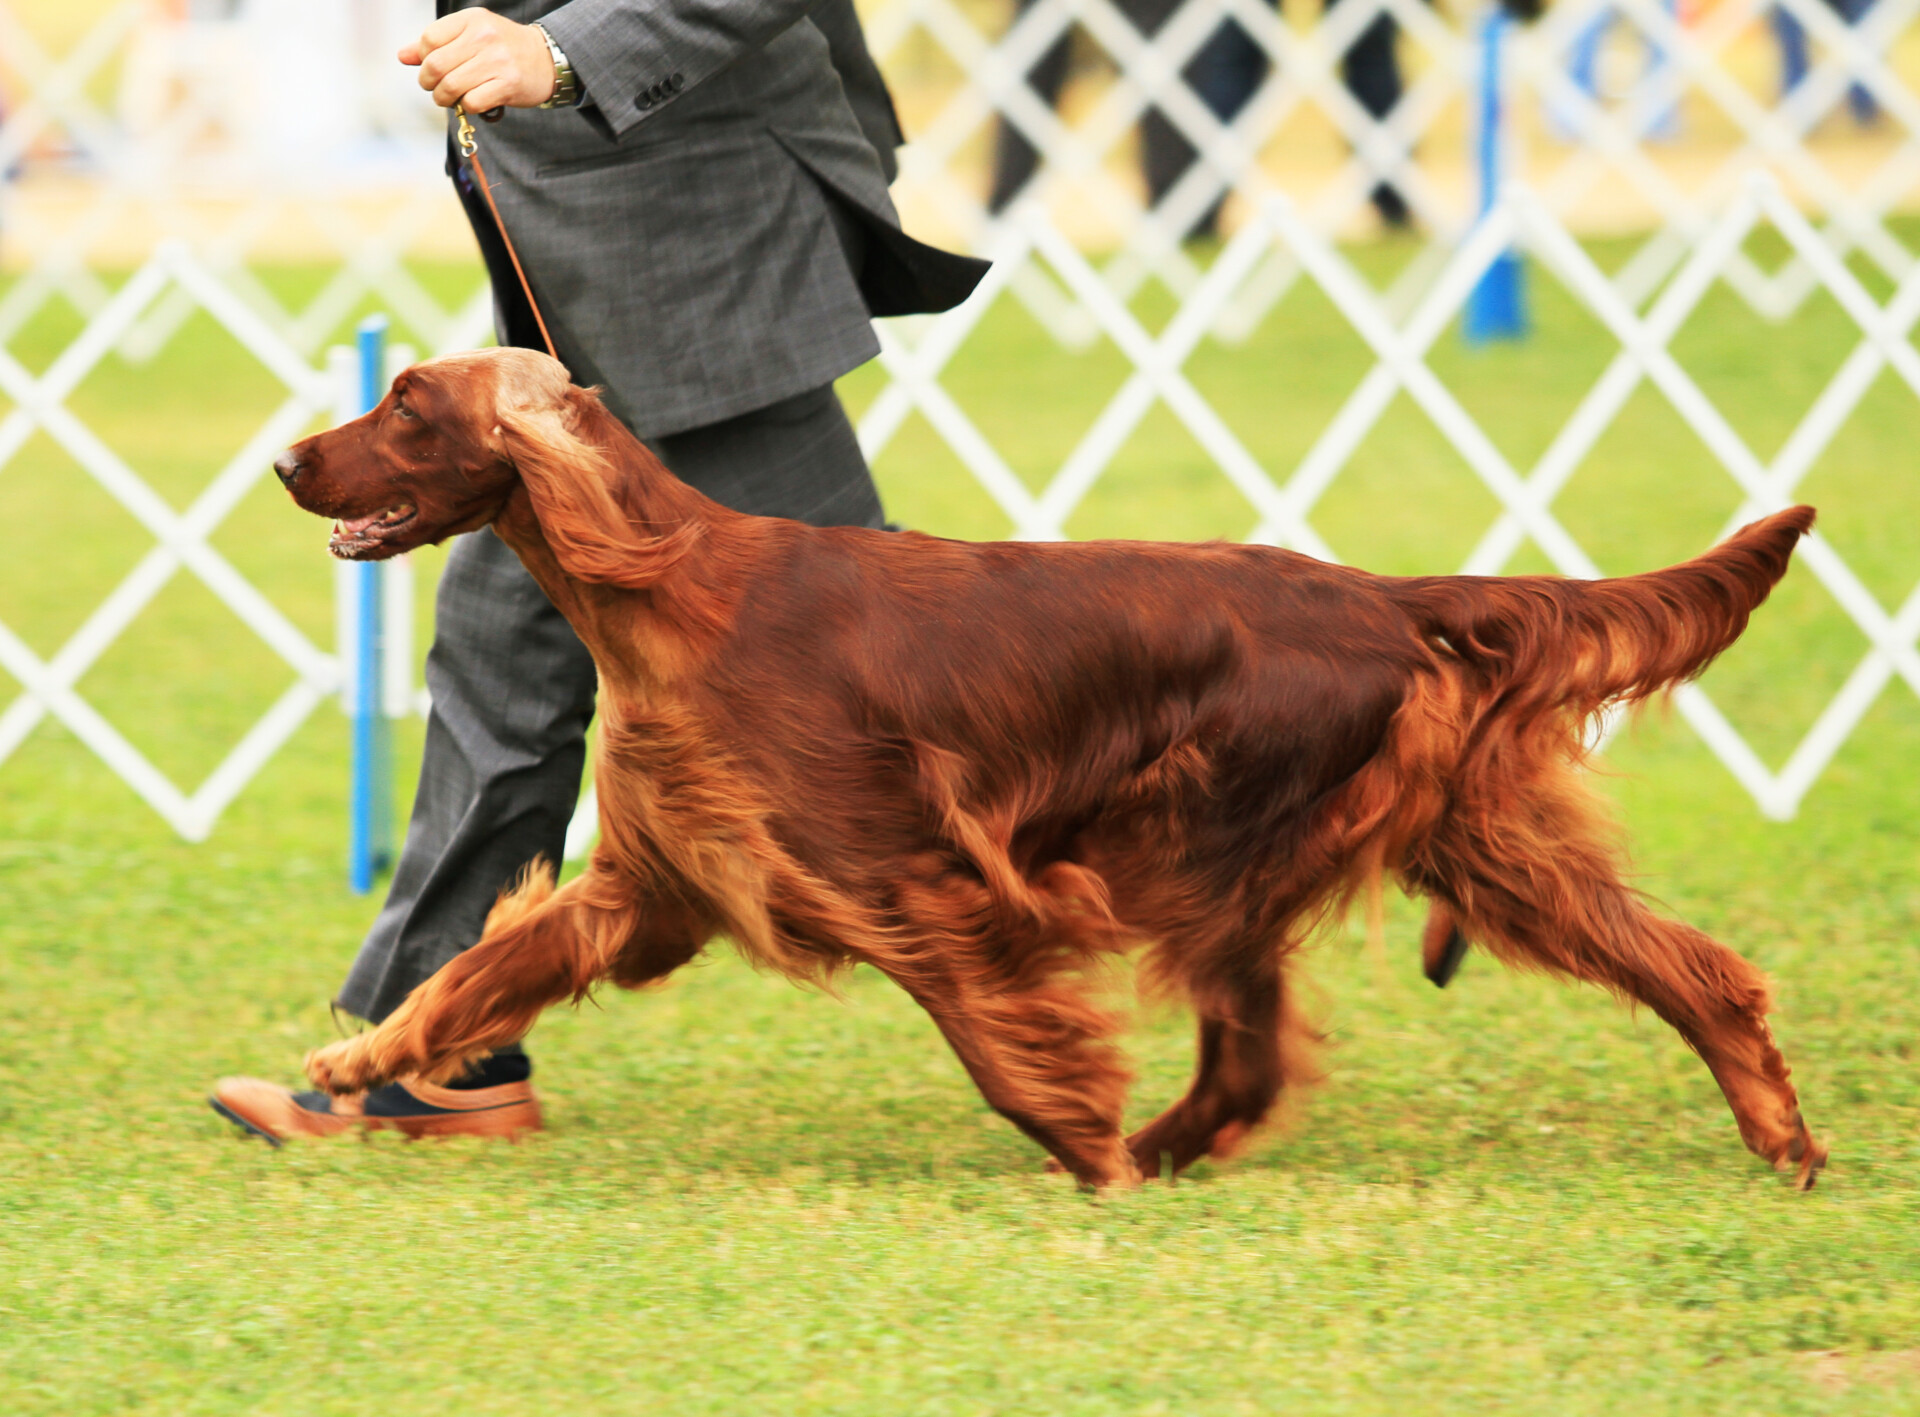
<point>1371,71</point>
<point>1014,157</point>
<point>512,690</point>
<point>1224,74</point>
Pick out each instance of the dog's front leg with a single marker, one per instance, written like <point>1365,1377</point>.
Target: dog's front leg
<point>539,946</point>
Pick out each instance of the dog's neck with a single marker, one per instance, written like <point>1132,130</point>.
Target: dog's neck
<point>649,636</point>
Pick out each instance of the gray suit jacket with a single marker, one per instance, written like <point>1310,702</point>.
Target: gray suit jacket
<point>711,232</point>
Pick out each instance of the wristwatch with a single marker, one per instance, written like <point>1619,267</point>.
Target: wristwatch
<point>566,84</point>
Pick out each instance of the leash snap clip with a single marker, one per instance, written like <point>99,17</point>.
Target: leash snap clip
<point>469,146</point>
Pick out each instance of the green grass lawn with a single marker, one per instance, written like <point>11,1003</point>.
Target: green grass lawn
<point>1510,1196</point>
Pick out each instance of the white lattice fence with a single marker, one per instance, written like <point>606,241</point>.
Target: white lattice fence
<point>181,542</point>
<point>186,162</point>
<point>1850,202</point>
<point>197,148</point>
<point>1668,146</point>
<point>1079,169</point>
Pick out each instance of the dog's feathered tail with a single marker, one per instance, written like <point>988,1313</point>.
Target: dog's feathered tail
<point>1544,643</point>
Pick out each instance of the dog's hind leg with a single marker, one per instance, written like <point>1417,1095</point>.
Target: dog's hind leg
<point>1716,1000</point>
<point>539,946</point>
<point>1560,905</point>
<point>1252,1046</point>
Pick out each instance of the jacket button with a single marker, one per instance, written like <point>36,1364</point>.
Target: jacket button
<point>659,91</point>
<point>678,83</point>
<point>644,101</point>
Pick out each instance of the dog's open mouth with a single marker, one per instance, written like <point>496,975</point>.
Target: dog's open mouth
<point>354,537</point>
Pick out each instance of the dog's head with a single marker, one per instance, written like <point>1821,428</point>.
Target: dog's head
<point>435,458</point>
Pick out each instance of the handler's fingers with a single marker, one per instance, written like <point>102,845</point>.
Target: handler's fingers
<point>477,82</point>
<point>438,35</point>
<point>486,96</point>
<point>437,69</point>
<point>448,28</point>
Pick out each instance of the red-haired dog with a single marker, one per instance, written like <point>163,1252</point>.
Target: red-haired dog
<point>981,768</point>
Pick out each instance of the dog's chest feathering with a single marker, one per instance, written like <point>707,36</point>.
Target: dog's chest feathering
<point>675,810</point>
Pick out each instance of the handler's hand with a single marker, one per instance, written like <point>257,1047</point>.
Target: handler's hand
<point>478,58</point>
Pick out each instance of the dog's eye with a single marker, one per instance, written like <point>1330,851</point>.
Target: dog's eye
<point>402,411</point>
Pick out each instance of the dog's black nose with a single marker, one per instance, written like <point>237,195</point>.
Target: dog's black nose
<point>287,468</point>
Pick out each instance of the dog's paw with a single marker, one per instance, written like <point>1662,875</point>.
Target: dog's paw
<point>1806,1156</point>
<point>343,1067</point>
<point>1113,1172</point>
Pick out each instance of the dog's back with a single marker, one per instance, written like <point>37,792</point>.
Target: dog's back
<point>1228,691</point>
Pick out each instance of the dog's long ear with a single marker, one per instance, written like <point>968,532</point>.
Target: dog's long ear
<point>567,478</point>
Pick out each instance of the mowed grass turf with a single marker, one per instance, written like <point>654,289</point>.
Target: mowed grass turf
<point>1510,1196</point>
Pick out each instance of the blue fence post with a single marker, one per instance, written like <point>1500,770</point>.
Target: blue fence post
<point>1497,309</point>
<point>370,829</point>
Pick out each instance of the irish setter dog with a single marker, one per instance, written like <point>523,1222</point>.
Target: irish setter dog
<point>984,768</point>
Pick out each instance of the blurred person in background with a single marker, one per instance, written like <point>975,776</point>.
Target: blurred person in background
<point>1224,73</point>
<point>697,190</point>
<point>1794,65</point>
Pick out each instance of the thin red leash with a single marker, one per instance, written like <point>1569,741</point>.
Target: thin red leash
<point>470,151</point>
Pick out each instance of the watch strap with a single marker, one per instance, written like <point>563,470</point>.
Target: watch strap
<point>566,83</point>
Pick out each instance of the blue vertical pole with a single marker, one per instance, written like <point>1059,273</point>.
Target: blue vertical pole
<point>370,830</point>
<point>1497,309</point>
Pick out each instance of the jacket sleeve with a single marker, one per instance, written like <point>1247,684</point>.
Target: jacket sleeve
<point>635,57</point>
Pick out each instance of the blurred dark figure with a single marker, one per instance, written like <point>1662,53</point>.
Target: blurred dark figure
<point>1793,56</point>
<point>1224,74</point>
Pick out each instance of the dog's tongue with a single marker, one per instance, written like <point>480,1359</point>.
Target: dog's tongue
<point>353,526</point>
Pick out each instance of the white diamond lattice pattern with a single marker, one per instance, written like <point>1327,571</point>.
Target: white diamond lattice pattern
<point>180,544</point>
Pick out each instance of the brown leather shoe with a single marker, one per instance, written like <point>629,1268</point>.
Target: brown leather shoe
<point>419,1109</point>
